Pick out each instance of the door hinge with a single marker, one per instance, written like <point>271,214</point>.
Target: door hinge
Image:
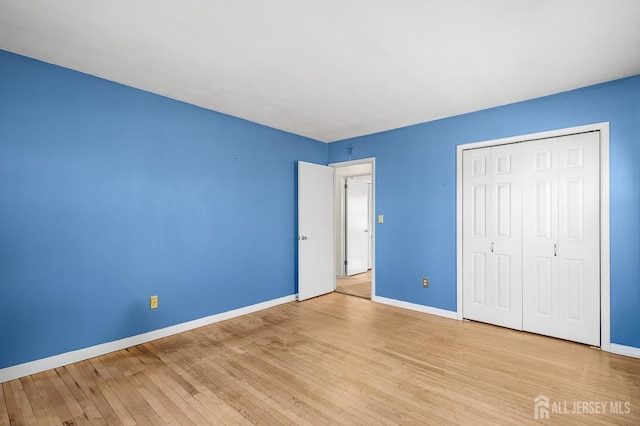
<point>346,186</point>
<point>345,263</point>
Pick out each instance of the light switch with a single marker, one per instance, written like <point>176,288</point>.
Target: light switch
<point>380,218</point>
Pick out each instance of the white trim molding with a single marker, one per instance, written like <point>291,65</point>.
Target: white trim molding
<point>624,350</point>
<point>415,307</point>
<point>603,128</point>
<point>44,364</point>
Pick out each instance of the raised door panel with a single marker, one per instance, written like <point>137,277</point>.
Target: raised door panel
<point>504,283</point>
<point>478,278</point>
<point>543,288</point>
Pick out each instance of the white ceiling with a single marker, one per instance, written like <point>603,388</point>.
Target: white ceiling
<point>334,69</point>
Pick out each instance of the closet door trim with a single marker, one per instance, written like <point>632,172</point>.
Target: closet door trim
<point>603,128</point>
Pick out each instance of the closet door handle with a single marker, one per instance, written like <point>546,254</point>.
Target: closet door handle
<point>491,246</point>
<point>555,250</point>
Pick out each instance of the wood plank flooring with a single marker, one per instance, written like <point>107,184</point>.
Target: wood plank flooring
<point>356,285</point>
<point>331,360</point>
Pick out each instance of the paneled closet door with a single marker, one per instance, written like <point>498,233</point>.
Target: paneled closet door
<point>561,237</point>
<point>492,268</point>
<point>540,236</point>
<point>579,238</point>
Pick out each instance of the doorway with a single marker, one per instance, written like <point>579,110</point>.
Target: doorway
<point>354,203</point>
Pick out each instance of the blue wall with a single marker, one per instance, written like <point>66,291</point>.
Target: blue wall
<point>109,195</point>
<point>416,192</point>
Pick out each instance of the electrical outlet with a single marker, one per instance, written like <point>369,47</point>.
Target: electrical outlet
<point>153,302</point>
<point>425,282</point>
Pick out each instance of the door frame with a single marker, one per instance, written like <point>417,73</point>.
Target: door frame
<point>338,220</point>
<point>603,128</point>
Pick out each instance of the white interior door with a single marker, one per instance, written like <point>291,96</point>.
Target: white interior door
<point>561,249</point>
<point>357,226</point>
<point>492,233</point>
<point>316,273</point>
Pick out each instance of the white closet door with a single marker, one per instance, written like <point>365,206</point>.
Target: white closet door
<point>540,236</point>
<point>561,237</point>
<point>477,303</point>
<point>492,229</point>
<point>579,238</point>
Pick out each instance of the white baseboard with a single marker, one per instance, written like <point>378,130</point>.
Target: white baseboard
<point>624,350</point>
<point>44,364</point>
<point>415,307</point>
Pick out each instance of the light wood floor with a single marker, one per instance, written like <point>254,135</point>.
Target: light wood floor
<point>330,360</point>
<point>355,285</point>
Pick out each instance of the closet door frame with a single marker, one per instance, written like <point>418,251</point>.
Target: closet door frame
<point>603,128</point>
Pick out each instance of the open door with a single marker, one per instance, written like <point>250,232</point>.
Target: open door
<point>316,273</point>
<point>357,226</point>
